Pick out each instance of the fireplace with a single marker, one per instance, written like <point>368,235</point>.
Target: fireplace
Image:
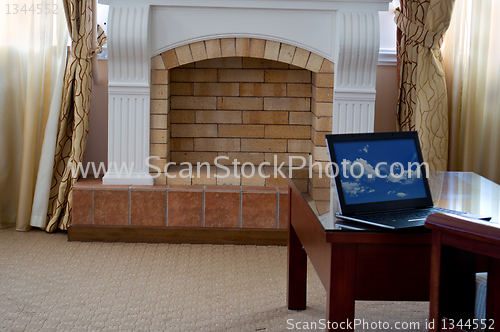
<point>150,41</point>
<point>257,81</point>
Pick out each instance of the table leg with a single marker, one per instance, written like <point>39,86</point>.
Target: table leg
<point>297,272</point>
<point>493,295</point>
<point>342,288</point>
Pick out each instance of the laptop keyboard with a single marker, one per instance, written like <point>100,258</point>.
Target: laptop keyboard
<point>411,215</point>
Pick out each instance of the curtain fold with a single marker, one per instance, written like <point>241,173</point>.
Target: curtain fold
<point>74,116</point>
<point>422,104</point>
<point>32,62</point>
<point>472,67</point>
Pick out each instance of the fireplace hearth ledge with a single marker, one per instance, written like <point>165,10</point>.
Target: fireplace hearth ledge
<point>344,32</point>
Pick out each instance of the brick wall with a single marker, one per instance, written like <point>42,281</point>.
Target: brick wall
<point>243,108</point>
<point>247,99</point>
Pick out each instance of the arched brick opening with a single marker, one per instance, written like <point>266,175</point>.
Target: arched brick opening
<point>182,122</point>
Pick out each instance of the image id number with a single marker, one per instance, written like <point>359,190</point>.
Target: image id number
<point>468,324</point>
<point>13,9</point>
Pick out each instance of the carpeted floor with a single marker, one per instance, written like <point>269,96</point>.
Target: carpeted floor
<point>49,284</point>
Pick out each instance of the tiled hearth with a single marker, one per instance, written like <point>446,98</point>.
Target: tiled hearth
<point>179,213</point>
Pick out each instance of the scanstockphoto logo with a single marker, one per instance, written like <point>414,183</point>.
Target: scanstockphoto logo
<point>348,170</point>
<point>119,169</point>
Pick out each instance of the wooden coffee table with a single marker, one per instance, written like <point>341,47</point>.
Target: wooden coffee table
<point>370,264</point>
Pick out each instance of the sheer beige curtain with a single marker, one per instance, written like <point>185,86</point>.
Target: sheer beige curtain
<point>472,65</point>
<point>422,104</point>
<point>33,47</point>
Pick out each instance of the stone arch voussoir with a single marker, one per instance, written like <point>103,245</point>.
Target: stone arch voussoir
<point>244,47</point>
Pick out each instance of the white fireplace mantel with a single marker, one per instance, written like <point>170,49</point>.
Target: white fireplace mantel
<point>344,32</point>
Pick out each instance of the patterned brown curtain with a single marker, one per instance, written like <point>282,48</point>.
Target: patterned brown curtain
<point>74,116</point>
<point>422,104</point>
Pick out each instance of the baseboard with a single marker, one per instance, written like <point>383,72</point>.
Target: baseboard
<point>92,233</point>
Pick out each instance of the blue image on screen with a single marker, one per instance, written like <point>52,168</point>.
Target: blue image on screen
<point>365,171</point>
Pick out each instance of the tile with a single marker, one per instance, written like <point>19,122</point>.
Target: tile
<point>184,208</point>
<point>182,116</point>
<point>182,144</point>
<point>323,80</point>
<point>266,117</point>
<point>258,210</point>
<point>240,131</point>
<point>254,181</point>
<point>219,63</point>
<point>159,91</point>
<point>263,89</point>
<point>288,131</point>
<point>275,181</point>
<point>242,47</point>
<point>193,157</point>
<point>203,176</point>
<point>299,90</point>
<point>190,75</point>
<point>191,102</point>
<point>111,207</point>
<point>222,209</point>
<point>213,48</point>
<point>183,54</point>
<point>228,47</point>
<point>198,51</point>
<point>158,150</point>
<point>300,118</point>
<point>284,210</point>
<point>159,76</point>
<point>147,207</point>
<point>224,179</point>
<point>241,75</point>
<point>160,179</point>
<point>82,207</point>
<point>327,67</point>
<point>194,130</point>
<point>254,63</point>
<point>157,62</point>
<point>170,59</point>
<point>322,95</point>
<point>257,48</point>
<point>272,50</point>
<point>181,89</point>
<point>314,62</point>
<point>240,103</point>
<point>287,104</point>
<point>216,144</point>
<point>299,145</point>
<point>263,145</point>
<point>159,106</point>
<point>216,89</point>
<point>300,57</point>
<point>286,53</point>
<point>287,76</point>
<point>207,116</point>
<point>241,158</point>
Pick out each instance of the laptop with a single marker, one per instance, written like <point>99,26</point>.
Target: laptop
<point>381,180</point>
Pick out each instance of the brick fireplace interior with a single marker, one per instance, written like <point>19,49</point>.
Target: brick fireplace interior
<point>255,107</point>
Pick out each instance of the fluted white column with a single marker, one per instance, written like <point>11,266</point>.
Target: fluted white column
<point>358,40</point>
<point>129,95</point>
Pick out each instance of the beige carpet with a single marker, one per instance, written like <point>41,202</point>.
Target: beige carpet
<point>49,284</point>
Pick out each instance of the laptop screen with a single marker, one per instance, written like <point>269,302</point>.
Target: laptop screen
<point>381,171</point>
